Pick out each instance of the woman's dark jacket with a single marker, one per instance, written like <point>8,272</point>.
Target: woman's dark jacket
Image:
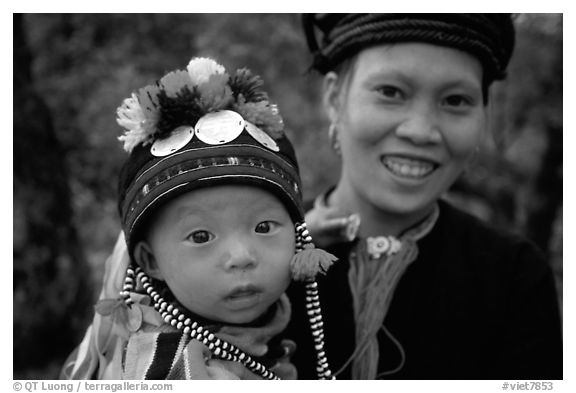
<point>475,304</point>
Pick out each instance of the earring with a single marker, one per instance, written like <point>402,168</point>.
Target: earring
<point>333,136</point>
<point>473,160</point>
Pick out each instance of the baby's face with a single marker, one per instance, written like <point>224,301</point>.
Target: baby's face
<point>224,251</point>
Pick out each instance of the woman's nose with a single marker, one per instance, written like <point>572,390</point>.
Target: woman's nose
<point>420,126</point>
<point>240,255</point>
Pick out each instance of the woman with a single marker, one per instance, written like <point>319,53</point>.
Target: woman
<point>422,290</point>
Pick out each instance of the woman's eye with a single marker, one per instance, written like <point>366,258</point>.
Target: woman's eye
<point>457,100</point>
<point>264,227</point>
<point>390,92</point>
<point>200,237</point>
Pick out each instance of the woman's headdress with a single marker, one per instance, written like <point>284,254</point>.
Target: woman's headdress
<point>333,38</point>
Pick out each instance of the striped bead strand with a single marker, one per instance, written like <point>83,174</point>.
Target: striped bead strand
<point>302,236</point>
<point>313,309</point>
<point>317,325</point>
<point>171,315</point>
<point>299,239</point>
<point>221,349</point>
<point>128,286</point>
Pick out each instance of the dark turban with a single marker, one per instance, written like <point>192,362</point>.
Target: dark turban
<point>333,38</point>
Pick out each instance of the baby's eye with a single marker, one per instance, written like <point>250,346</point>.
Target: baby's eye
<point>265,227</point>
<point>200,236</point>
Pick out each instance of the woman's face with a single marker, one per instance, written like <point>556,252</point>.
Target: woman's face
<point>408,119</point>
<point>223,251</point>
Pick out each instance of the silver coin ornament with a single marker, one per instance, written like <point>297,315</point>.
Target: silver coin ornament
<point>262,137</point>
<point>220,127</point>
<point>177,139</point>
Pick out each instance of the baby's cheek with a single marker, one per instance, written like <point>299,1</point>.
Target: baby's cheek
<point>280,273</point>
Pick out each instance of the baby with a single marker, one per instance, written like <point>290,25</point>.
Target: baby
<point>211,208</point>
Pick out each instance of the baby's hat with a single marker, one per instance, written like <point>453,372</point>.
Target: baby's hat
<point>201,127</point>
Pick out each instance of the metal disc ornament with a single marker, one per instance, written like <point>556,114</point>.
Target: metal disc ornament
<point>262,137</point>
<point>219,127</point>
<point>176,141</point>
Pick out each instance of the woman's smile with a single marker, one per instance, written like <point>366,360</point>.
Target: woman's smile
<point>408,168</point>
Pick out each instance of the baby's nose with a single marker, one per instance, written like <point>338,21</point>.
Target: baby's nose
<point>241,255</point>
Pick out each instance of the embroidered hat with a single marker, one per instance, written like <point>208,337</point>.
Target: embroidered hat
<point>198,128</point>
<point>489,37</point>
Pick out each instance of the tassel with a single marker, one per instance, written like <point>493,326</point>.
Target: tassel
<point>309,262</point>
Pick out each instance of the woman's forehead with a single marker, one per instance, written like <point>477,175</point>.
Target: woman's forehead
<point>418,60</point>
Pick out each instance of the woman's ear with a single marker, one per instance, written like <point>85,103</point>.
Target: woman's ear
<point>331,96</point>
<point>145,258</point>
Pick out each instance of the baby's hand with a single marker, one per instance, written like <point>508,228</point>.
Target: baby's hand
<point>329,226</point>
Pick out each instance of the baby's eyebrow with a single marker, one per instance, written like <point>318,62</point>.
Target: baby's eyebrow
<point>271,207</point>
<point>191,210</point>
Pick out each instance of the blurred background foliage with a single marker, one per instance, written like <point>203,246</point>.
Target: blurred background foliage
<point>71,71</point>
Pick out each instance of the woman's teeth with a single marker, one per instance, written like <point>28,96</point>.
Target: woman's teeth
<point>407,167</point>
